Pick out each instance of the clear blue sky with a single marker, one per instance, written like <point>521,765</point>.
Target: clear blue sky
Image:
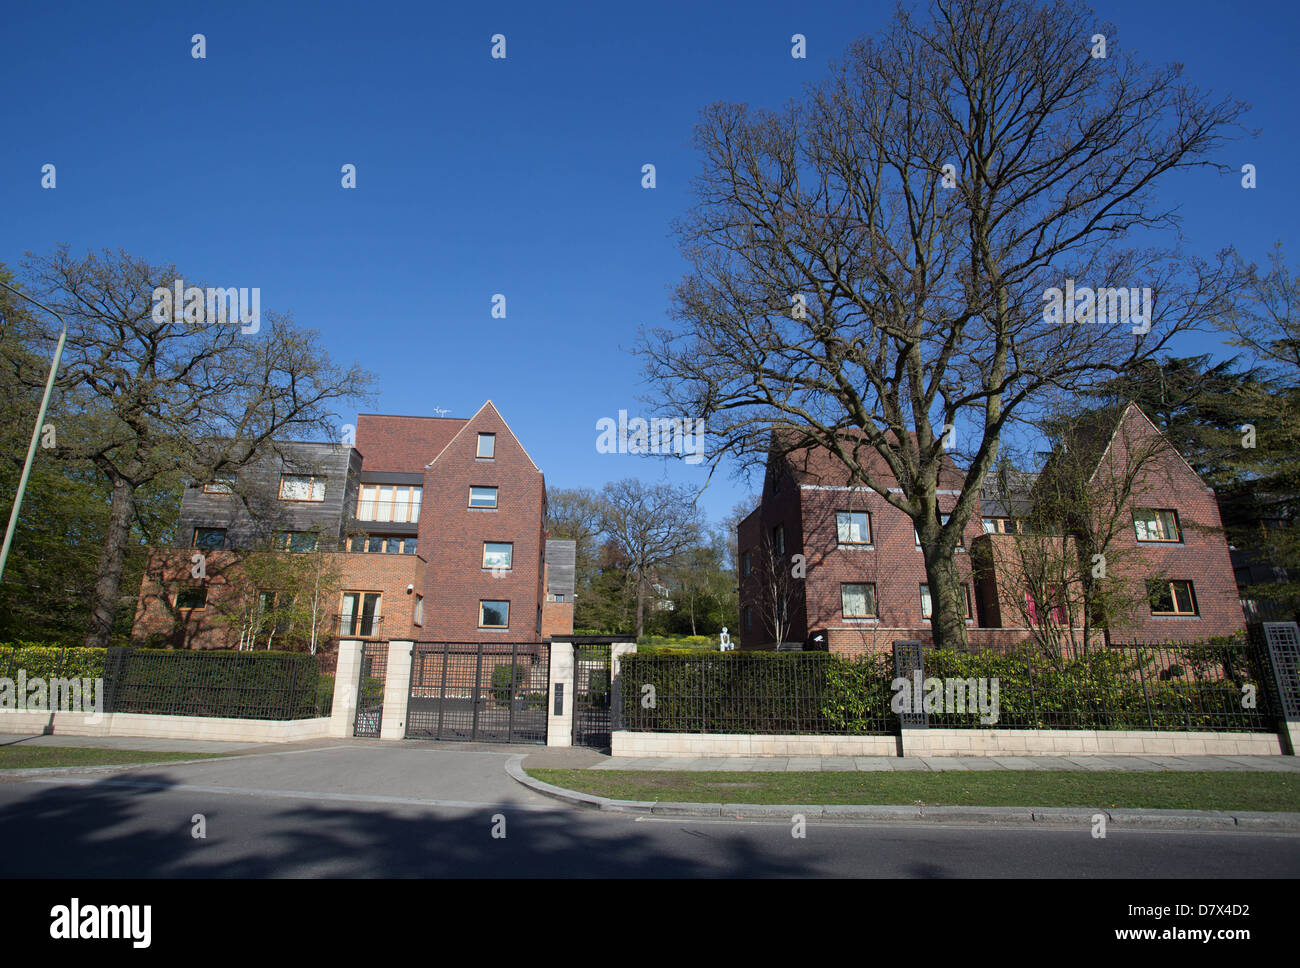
<point>479,176</point>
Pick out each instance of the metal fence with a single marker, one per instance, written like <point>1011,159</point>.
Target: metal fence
<point>238,685</point>
<point>1218,687</point>
<point>756,692</point>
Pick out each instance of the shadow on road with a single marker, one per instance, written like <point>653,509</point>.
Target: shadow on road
<point>101,829</point>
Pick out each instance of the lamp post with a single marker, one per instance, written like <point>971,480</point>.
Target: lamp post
<point>36,431</point>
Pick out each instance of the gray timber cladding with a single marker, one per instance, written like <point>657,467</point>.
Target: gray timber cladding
<point>561,560</point>
<point>253,512</point>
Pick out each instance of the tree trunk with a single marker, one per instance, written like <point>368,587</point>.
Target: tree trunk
<point>947,605</point>
<point>108,582</point>
<point>640,608</point>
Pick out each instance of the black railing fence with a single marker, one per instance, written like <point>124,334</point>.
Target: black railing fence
<point>755,692</point>
<point>1220,686</point>
<point>1214,687</point>
<point>237,685</point>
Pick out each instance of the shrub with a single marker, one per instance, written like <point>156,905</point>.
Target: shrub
<point>47,661</point>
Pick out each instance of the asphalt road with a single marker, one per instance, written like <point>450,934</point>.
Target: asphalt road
<point>420,811</point>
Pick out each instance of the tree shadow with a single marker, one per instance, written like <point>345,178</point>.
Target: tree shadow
<point>109,829</point>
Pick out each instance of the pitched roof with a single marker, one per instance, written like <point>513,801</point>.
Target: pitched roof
<point>819,466</point>
<point>403,444</point>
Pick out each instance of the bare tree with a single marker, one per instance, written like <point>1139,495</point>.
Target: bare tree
<point>776,585</point>
<point>870,265</point>
<point>1077,577</point>
<point>156,394</point>
<point>651,525</point>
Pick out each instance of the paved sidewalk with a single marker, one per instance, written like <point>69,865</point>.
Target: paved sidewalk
<point>576,759</point>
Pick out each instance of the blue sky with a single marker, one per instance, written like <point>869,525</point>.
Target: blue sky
<point>478,176</point>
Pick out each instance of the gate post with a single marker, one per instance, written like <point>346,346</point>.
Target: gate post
<point>346,682</point>
<point>1283,643</point>
<point>616,652</point>
<point>397,689</point>
<point>909,664</point>
<point>559,710</point>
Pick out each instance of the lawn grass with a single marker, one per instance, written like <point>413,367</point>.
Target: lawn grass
<point>1229,790</point>
<point>37,757</point>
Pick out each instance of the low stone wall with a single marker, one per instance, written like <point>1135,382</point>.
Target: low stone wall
<point>1108,742</point>
<point>162,727</point>
<point>953,742</point>
<point>627,743</point>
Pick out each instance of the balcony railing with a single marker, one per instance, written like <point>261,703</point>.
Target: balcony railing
<point>358,626</point>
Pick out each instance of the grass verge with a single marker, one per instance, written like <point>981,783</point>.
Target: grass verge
<point>994,788</point>
<point>38,757</point>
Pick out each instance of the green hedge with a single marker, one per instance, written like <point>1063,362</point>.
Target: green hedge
<point>47,661</point>
<point>241,685</point>
<point>748,692</point>
<point>1112,688</point>
<point>1196,686</point>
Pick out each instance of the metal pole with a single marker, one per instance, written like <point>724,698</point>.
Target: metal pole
<point>36,431</point>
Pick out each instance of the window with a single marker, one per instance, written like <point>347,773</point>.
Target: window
<point>493,615</point>
<point>746,563</point>
<point>196,596</point>
<point>360,614</point>
<point>389,502</point>
<point>487,446</point>
<point>384,544</point>
<point>220,485</point>
<point>1172,598</point>
<point>854,527</point>
<point>301,487</point>
<point>858,601</point>
<point>778,539</point>
<point>483,497</point>
<point>927,606</point>
<point>749,618</point>
<point>212,538</point>
<point>1048,610</point>
<point>419,609</point>
<point>1153,524</point>
<point>295,541</point>
<point>943,519</point>
<point>497,555</point>
<point>1002,526</point>
<point>555,598</point>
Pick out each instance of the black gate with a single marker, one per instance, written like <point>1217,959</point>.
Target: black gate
<point>370,689</point>
<point>481,692</point>
<point>591,695</point>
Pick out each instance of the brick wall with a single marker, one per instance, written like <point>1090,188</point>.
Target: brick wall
<point>168,570</point>
<point>452,535</point>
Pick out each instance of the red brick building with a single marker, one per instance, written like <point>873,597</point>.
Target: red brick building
<point>864,582</point>
<point>435,525</point>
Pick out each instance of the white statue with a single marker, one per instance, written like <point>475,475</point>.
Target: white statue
<point>724,642</point>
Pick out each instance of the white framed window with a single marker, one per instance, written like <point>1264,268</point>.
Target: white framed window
<point>487,446</point>
<point>943,519</point>
<point>222,484</point>
<point>302,487</point>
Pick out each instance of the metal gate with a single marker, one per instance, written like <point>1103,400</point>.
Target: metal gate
<point>591,695</point>
<point>479,692</point>
<point>370,689</point>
